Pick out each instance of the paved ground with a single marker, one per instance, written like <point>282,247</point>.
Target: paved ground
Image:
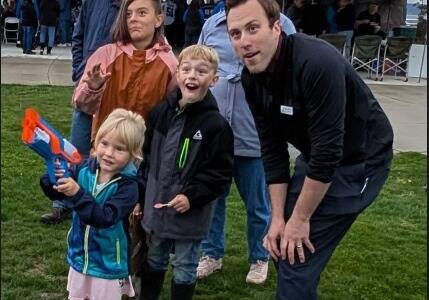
<point>404,103</point>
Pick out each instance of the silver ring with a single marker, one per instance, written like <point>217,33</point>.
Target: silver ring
<point>299,246</point>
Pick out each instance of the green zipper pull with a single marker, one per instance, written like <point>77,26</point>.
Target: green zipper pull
<point>184,153</point>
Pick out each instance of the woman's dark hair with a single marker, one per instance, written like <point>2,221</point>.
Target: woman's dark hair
<point>271,8</point>
<point>119,30</point>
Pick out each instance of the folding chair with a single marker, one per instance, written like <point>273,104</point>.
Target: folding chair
<point>366,53</point>
<point>396,55</point>
<point>336,40</point>
<point>11,25</point>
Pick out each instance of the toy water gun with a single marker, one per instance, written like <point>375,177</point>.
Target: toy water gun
<point>48,143</point>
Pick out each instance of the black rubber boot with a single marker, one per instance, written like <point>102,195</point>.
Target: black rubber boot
<point>182,291</point>
<point>151,283</point>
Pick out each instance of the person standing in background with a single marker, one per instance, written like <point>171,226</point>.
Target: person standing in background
<point>28,23</point>
<point>194,20</point>
<point>345,20</point>
<point>248,170</point>
<point>65,23</point>
<point>91,31</point>
<point>49,13</point>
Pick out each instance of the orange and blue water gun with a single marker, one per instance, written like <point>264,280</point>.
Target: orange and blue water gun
<point>48,143</point>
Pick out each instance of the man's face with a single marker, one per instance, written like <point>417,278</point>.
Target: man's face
<point>254,41</point>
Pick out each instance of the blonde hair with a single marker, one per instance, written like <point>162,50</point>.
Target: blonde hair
<point>129,128</point>
<point>200,52</point>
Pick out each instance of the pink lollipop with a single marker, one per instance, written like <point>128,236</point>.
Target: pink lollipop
<point>161,205</point>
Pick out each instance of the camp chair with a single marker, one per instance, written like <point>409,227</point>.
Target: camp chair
<point>395,55</point>
<point>336,40</point>
<point>11,25</point>
<point>366,53</point>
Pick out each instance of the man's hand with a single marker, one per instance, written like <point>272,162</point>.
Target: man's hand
<point>96,77</point>
<point>67,186</point>
<point>271,240</point>
<point>295,236</point>
<point>180,203</point>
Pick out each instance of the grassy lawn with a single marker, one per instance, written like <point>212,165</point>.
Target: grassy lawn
<point>382,257</point>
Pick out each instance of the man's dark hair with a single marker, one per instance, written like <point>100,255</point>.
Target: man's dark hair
<point>271,8</point>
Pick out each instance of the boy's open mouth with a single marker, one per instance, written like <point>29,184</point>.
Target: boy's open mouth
<point>191,86</point>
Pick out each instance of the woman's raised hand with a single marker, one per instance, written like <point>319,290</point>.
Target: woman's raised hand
<point>96,77</point>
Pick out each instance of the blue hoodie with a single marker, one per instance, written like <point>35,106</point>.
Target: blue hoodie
<point>98,241</point>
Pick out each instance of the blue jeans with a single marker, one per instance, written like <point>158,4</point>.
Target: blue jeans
<point>65,31</point>
<point>184,260</point>
<point>27,39</point>
<point>80,138</point>
<point>47,31</point>
<point>249,177</point>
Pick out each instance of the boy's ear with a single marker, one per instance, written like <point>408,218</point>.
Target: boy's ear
<point>214,80</point>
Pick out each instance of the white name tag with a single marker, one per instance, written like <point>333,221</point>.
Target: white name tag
<point>286,110</point>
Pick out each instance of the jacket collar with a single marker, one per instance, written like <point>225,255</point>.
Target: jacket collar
<point>129,170</point>
<point>208,103</point>
<point>151,53</point>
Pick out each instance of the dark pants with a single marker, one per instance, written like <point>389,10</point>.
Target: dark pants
<point>27,44</point>
<point>300,281</point>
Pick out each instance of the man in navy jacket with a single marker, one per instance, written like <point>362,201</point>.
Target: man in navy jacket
<point>300,90</point>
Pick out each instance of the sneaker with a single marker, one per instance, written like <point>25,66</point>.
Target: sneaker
<point>258,272</point>
<point>208,266</point>
<point>62,45</point>
<point>68,44</point>
<point>57,215</point>
<point>30,52</point>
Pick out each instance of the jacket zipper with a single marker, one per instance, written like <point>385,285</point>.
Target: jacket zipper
<point>88,227</point>
<point>118,252</point>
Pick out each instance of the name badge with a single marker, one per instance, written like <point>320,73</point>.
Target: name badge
<point>286,110</point>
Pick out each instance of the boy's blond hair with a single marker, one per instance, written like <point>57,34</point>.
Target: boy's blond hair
<point>200,52</point>
<point>129,128</point>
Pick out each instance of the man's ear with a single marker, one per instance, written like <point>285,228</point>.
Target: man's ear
<point>277,27</point>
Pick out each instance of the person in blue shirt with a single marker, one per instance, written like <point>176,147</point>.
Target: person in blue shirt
<point>91,31</point>
<point>248,170</point>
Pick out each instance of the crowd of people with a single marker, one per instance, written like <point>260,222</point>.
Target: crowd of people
<point>164,136</point>
<point>43,23</point>
<point>339,17</point>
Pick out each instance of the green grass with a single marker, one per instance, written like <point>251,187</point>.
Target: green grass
<point>382,257</point>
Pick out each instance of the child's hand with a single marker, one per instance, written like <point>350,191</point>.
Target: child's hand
<point>67,186</point>
<point>180,203</point>
<point>137,212</point>
<point>59,172</point>
<point>96,77</point>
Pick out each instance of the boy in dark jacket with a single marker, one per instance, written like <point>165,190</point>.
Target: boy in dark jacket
<point>187,164</point>
<point>28,22</point>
